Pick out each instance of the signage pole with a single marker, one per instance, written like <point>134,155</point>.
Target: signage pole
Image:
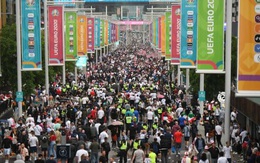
<point>228,68</point>
<point>18,38</point>
<point>179,75</point>
<point>46,51</point>
<point>64,57</point>
<point>201,89</point>
<point>187,85</point>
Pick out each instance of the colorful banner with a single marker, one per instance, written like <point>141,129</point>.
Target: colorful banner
<point>102,32</point>
<point>109,32</point>
<point>210,36</point>
<point>71,36</point>
<point>248,67</point>
<point>159,33</point>
<point>176,34</point>
<point>90,35</point>
<point>188,34</point>
<point>55,32</point>
<point>163,35</point>
<point>97,33</point>
<point>31,35</point>
<point>106,32</point>
<point>168,35</point>
<point>82,35</point>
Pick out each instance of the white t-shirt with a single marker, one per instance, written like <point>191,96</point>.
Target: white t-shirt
<point>37,130</point>
<point>33,141</point>
<point>227,151</point>
<point>222,160</point>
<point>101,114</point>
<point>218,129</point>
<point>233,116</point>
<point>81,152</point>
<point>150,115</point>
<point>102,136</point>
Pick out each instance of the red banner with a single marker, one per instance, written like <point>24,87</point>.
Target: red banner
<point>55,22</point>
<point>90,35</point>
<point>176,34</point>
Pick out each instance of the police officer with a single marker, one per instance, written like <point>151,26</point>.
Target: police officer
<point>123,146</point>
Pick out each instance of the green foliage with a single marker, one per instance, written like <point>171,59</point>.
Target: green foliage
<point>213,83</point>
<point>30,79</point>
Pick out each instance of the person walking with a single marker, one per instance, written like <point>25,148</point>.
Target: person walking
<point>178,140</point>
<point>138,155</point>
<point>81,152</point>
<point>227,149</point>
<point>106,147</point>
<point>219,130</point>
<point>214,151</point>
<point>123,146</point>
<point>94,147</point>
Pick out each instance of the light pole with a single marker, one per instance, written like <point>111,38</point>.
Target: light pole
<point>18,39</point>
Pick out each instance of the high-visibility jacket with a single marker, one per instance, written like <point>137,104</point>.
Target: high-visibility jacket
<point>128,119</point>
<point>136,144</point>
<point>123,146</point>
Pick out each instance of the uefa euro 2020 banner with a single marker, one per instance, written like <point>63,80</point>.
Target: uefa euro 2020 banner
<point>71,36</point>
<point>55,23</point>
<point>176,35</point>
<point>31,35</point>
<point>248,63</point>
<point>210,58</point>
<point>188,33</point>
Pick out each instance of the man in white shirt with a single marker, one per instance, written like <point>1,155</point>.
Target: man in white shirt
<point>102,136</point>
<point>233,115</point>
<point>33,142</point>
<point>81,152</point>
<point>38,130</point>
<point>150,117</point>
<point>219,130</point>
<point>101,115</point>
<point>221,158</point>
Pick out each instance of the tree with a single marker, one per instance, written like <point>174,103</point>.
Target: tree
<point>30,79</point>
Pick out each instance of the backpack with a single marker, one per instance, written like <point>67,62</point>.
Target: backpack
<point>44,139</point>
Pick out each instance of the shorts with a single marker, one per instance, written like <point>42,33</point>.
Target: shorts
<point>33,149</point>
<point>186,138</point>
<point>44,149</point>
<point>7,151</point>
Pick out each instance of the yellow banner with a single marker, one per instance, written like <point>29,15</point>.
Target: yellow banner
<point>82,35</point>
<point>106,32</point>
<point>248,75</point>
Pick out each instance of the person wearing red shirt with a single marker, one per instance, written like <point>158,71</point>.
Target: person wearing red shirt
<point>93,114</point>
<point>178,139</point>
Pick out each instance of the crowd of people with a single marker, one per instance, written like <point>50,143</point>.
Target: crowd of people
<point>125,109</point>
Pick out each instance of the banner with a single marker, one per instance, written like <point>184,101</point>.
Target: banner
<point>55,41</point>
<point>168,35</point>
<point>31,35</point>
<point>106,32</point>
<point>176,34</point>
<point>210,36</point>
<point>82,35</point>
<point>71,36</point>
<point>109,32</point>
<point>163,35</point>
<point>159,33</point>
<point>248,67</point>
<point>90,35</point>
<point>102,32</point>
<point>97,33</point>
<point>188,34</point>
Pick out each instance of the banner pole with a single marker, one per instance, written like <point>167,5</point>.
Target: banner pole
<point>64,57</point>
<point>19,57</point>
<point>228,69</point>
<point>201,89</point>
<point>46,51</point>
